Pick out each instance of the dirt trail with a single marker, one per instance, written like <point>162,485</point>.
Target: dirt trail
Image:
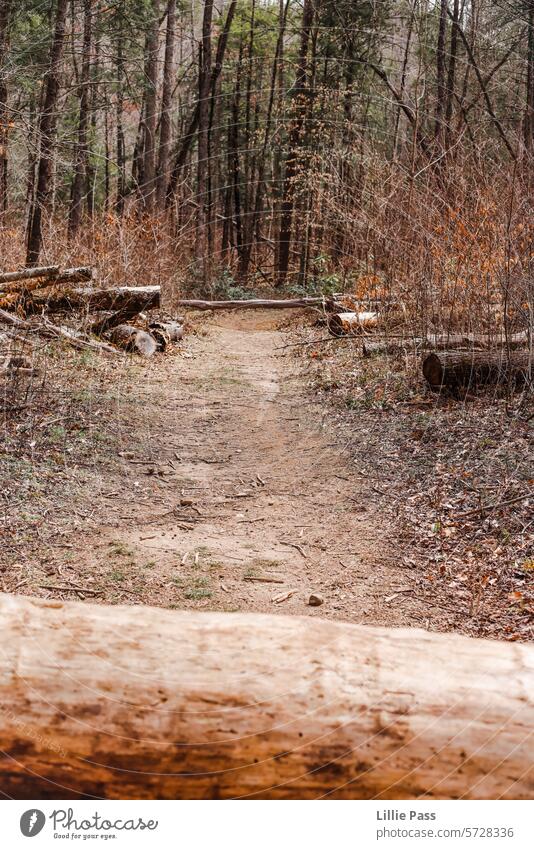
<point>247,483</point>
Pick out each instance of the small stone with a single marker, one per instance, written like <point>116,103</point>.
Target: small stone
<point>315,600</point>
<point>186,502</point>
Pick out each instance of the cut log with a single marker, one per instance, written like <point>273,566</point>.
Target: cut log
<point>165,332</point>
<point>173,330</point>
<point>134,298</point>
<point>137,702</point>
<point>50,331</point>
<point>347,323</point>
<point>474,368</point>
<point>134,340</point>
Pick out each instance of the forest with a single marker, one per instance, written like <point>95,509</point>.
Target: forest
<point>266,380</point>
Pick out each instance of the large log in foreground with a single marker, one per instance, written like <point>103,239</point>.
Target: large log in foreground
<point>473,368</point>
<point>137,702</point>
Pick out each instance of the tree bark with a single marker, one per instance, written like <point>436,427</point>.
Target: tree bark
<point>204,77</point>
<point>188,138</point>
<point>528,123</point>
<point>47,134</point>
<point>451,73</point>
<point>165,123</point>
<point>82,152</point>
<point>440,69</point>
<point>472,368</point>
<point>119,117</point>
<point>5,13</point>
<point>147,183</point>
<point>142,703</point>
<point>291,170</point>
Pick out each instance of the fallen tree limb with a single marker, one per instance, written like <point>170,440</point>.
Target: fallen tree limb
<point>49,272</point>
<point>137,702</point>
<point>463,368</point>
<point>50,331</point>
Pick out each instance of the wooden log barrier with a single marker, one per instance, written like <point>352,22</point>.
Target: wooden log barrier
<point>138,702</point>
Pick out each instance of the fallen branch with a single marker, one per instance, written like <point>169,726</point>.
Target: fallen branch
<point>50,331</point>
<point>229,705</point>
<point>491,507</point>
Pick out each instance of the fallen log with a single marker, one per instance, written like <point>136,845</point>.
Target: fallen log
<point>48,272</point>
<point>347,323</point>
<point>474,368</point>
<point>165,332</point>
<point>444,342</point>
<point>137,702</point>
<point>134,298</point>
<point>140,298</point>
<point>48,330</point>
<point>133,340</point>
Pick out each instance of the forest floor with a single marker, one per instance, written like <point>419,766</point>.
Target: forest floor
<point>232,473</point>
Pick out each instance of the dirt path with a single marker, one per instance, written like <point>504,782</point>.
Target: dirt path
<point>237,479</point>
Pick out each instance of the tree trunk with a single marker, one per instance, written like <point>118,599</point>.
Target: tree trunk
<point>166,104</point>
<point>76,206</point>
<point>451,75</point>
<point>528,125</point>
<point>5,11</point>
<point>141,703</point>
<point>440,69</point>
<point>291,170</point>
<point>187,140</point>
<point>119,113</point>
<point>147,183</point>
<point>47,134</point>
<point>473,368</point>
<point>204,77</point>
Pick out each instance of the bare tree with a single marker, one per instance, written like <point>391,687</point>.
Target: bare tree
<point>47,135</point>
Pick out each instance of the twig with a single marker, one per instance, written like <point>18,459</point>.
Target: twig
<point>71,589</point>
<point>263,580</point>
<point>492,506</point>
<point>297,546</point>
